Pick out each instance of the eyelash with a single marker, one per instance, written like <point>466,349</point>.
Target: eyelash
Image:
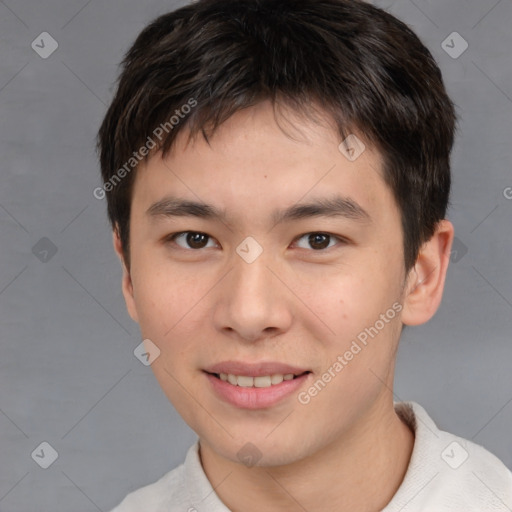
<point>172,239</point>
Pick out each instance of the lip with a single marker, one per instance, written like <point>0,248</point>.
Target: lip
<point>255,398</point>
<point>254,369</point>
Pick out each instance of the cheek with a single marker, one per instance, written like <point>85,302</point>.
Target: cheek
<point>160,284</point>
<point>166,300</point>
<point>175,311</point>
<point>344,299</point>
<point>355,318</point>
<point>169,307</point>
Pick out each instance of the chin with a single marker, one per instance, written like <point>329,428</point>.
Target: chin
<point>258,448</point>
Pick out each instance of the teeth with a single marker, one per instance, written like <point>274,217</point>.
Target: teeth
<point>245,382</point>
<point>264,381</point>
<point>276,379</point>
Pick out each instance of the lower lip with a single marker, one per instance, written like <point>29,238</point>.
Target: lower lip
<point>255,398</point>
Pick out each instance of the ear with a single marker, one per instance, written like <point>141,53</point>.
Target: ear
<point>425,282</point>
<point>127,285</point>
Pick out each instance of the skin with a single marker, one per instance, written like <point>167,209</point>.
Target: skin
<point>346,449</point>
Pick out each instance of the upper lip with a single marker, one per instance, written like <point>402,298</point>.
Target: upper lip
<point>254,369</point>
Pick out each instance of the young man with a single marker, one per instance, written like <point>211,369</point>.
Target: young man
<point>277,176</point>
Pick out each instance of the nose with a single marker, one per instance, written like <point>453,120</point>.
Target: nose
<point>252,303</point>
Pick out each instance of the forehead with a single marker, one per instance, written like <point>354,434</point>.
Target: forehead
<point>256,163</point>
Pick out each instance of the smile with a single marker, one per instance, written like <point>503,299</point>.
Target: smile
<point>265,388</point>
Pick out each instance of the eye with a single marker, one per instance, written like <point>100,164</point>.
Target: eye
<point>192,239</point>
<point>195,240</point>
<point>318,241</point>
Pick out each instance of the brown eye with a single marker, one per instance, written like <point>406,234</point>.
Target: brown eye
<point>197,240</point>
<point>192,239</point>
<point>318,241</point>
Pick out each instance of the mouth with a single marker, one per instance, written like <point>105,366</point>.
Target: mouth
<point>262,381</point>
<point>255,385</point>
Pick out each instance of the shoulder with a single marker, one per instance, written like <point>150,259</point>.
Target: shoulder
<point>449,473</point>
<point>472,476</point>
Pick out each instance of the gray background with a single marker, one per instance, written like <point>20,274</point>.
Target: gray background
<point>68,375</point>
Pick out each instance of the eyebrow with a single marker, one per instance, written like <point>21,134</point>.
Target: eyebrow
<point>336,206</point>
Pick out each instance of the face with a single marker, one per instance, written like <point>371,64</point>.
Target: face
<point>252,284</point>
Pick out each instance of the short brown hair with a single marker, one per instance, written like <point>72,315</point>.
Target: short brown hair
<point>363,66</point>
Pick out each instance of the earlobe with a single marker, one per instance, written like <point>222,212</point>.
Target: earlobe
<point>425,282</point>
<point>127,284</point>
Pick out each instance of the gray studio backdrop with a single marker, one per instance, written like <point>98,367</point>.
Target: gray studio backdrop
<point>68,375</point>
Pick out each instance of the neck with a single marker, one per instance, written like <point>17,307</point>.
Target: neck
<point>361,470</point>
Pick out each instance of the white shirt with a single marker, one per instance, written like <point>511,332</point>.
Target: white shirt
<point>445,473</point>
